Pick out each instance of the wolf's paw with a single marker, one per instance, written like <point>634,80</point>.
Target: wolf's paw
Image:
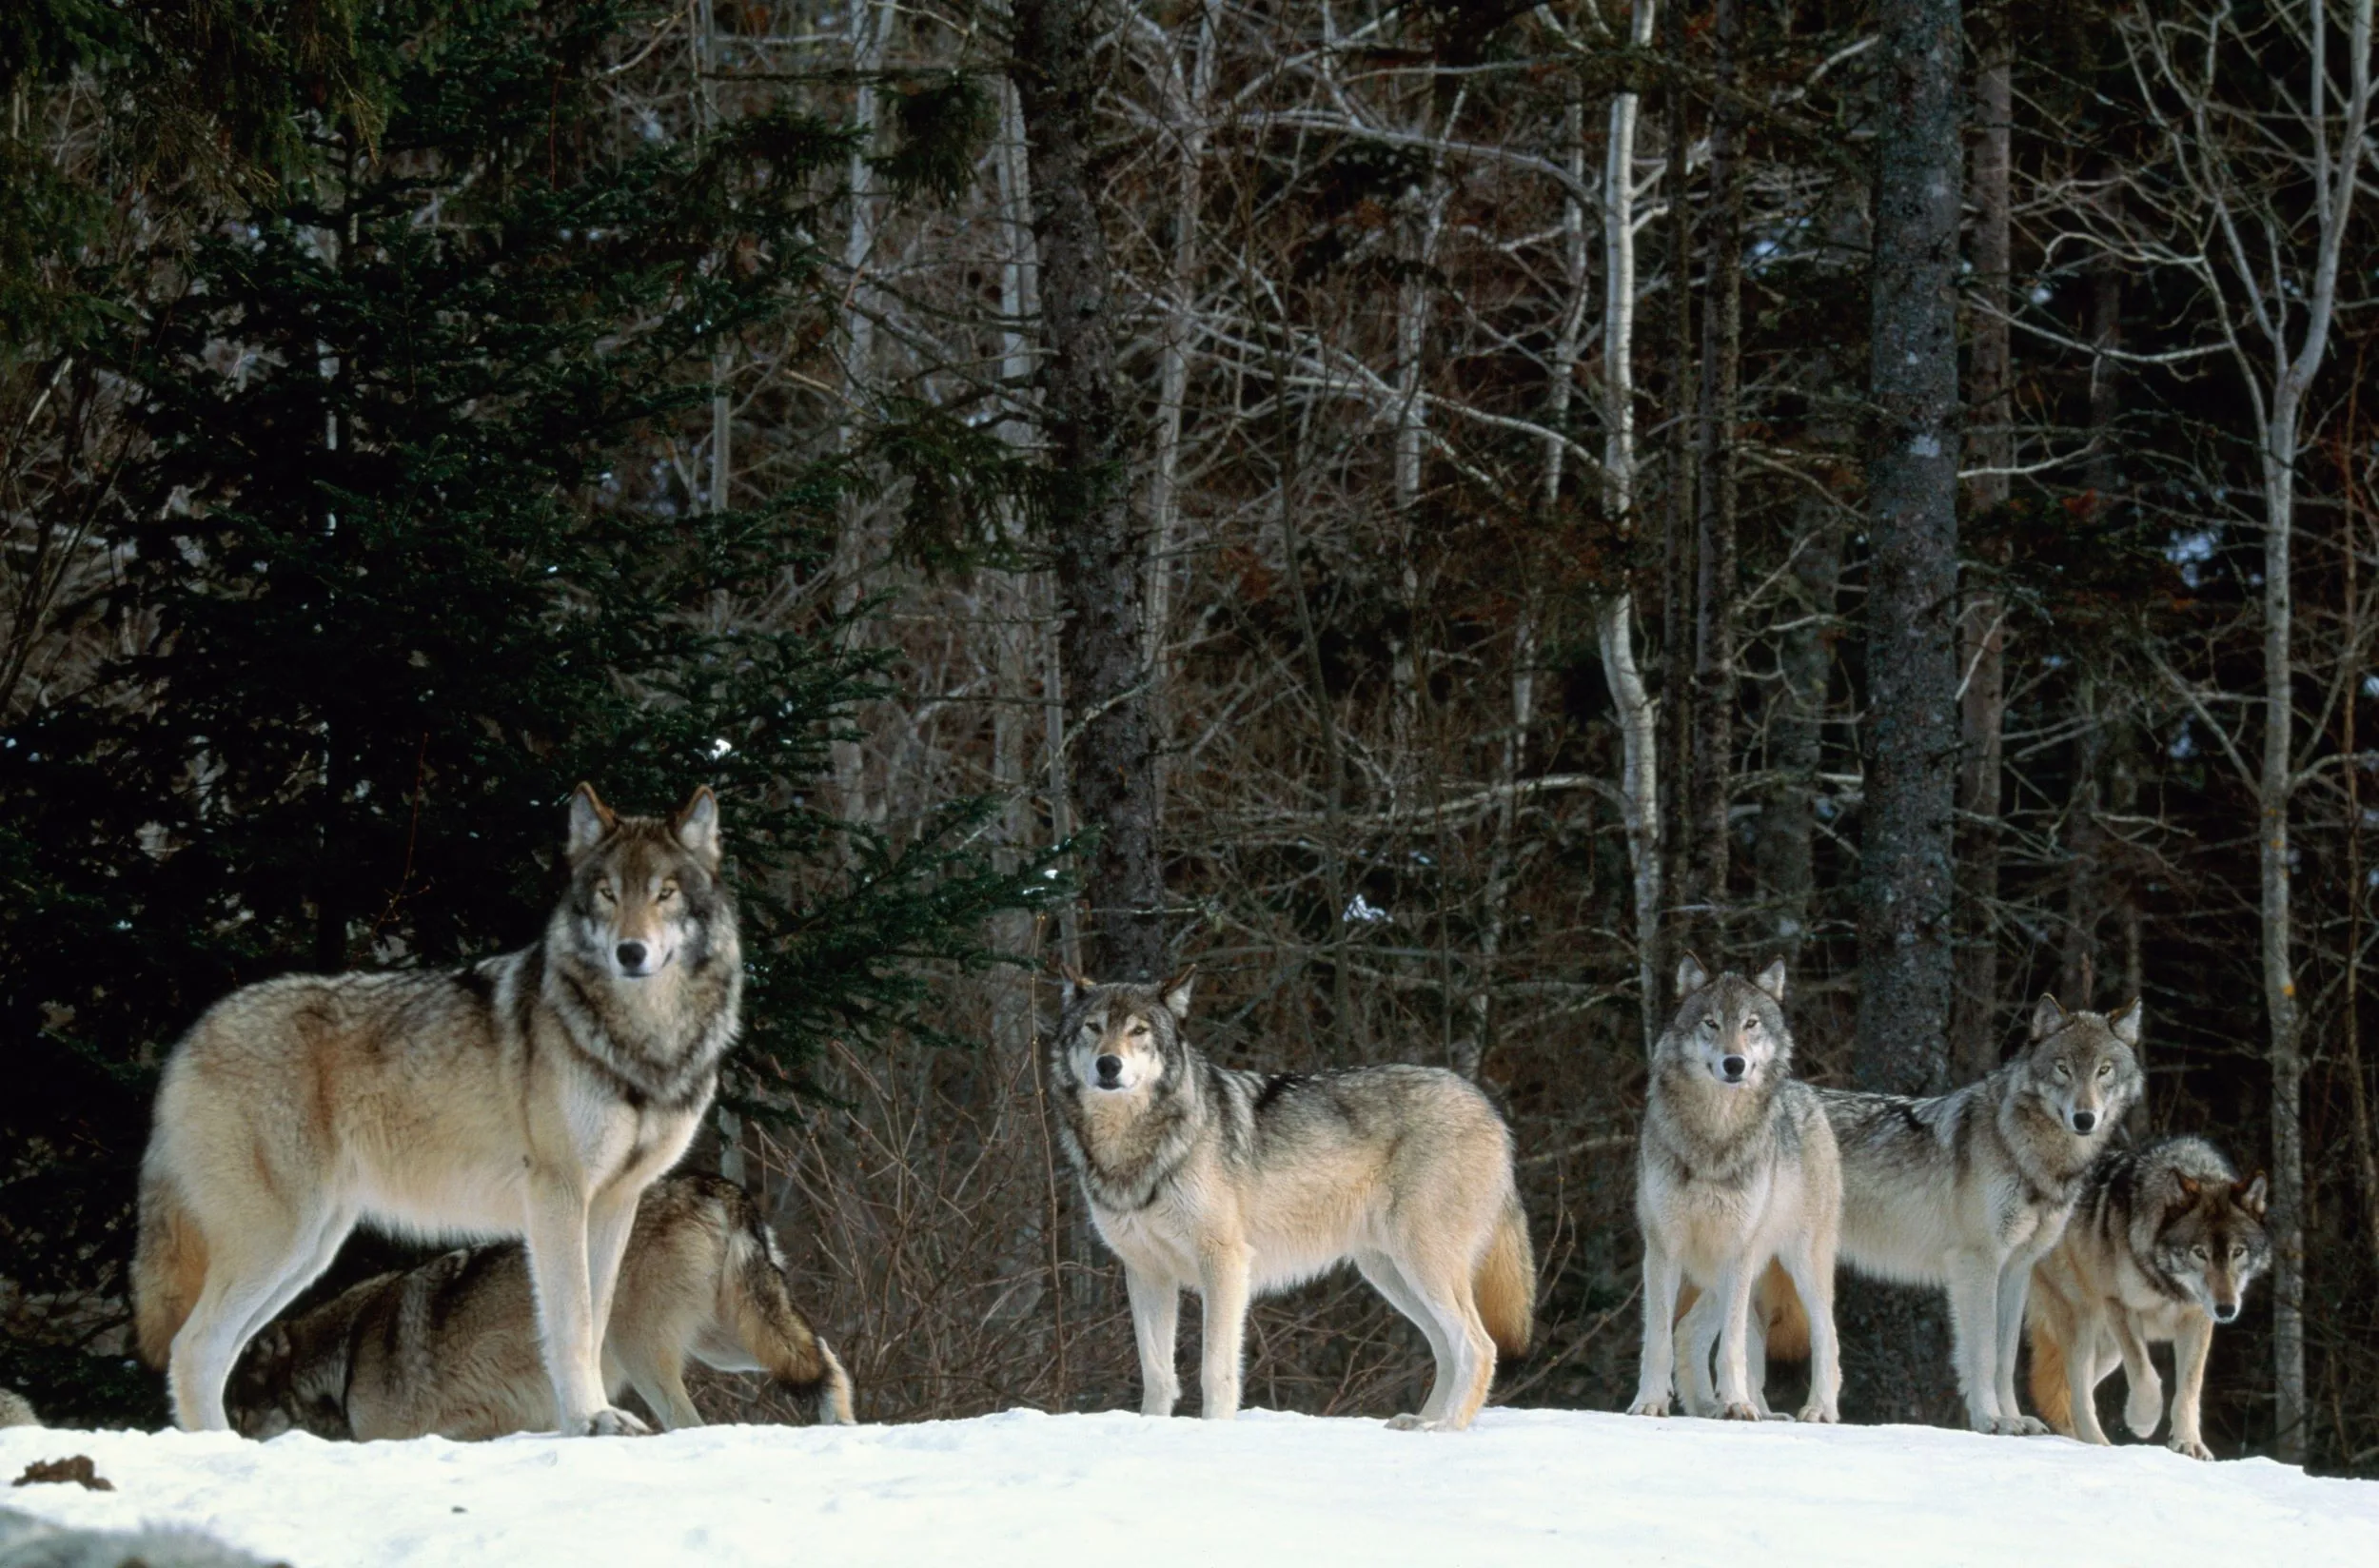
<point>1738,1410</point>
<point>1819,1413</point>
<point>2002,1426</point>
<point>2143,1410</point>
<point>613,1424</point>
<point>1410,1423</point>
<point>1649,1407</point>
<point>2192,1447</point>
<point>2024,1426</point>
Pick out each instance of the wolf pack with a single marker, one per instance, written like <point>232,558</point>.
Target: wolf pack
<point>537,1104</point>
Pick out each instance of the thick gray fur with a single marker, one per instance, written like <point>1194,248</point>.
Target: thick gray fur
<point>1736,1169</point>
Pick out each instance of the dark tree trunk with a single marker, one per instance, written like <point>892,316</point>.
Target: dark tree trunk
<point>1783,853</point>
<point>1714,539</point>
<point>1910,730</point>
<point>1897,1356</point>
<point>1677,566</point>
<point>1097,544</point>
<point>1982,652</point>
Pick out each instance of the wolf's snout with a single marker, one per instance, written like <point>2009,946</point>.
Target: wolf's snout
<point>2085,1120</point>
<point>2225,1311</point>
<point>631,955</point>
<point>1110,1068</point>
<point>1733,1067</point>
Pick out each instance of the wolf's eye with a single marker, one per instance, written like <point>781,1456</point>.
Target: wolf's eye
<point>2199,1253</point>
<point>1709,1026</point>
<point>2237,1252</point>
<point>1751,1024</point>
<point>668,891</point>
<point>2106,1069</point>
<point>603,891</point>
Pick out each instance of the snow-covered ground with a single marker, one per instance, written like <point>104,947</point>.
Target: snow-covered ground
<point>1524,1486</point>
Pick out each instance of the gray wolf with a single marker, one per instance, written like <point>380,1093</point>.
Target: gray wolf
<point>1736,1170</point>
<point>536,1094</point>
<point>27,1543</point>
<point>450,1348</point>
<point>1969,1189</point>
<point>16,1410</point>
<point>1239,1184</point>
<point>2162,1246</point>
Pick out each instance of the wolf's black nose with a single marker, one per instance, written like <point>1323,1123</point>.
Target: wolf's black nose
<point>2085,1120</point>
<point>2225,1311</point>
<point>631,955</point>
<point>1111,1069</point>
<point>1733,1065</point>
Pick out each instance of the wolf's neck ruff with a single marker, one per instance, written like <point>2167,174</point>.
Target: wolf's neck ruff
<point>661,1038</point>
<point>1125,1147</point>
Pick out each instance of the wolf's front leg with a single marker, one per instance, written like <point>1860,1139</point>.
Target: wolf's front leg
<point>2083,1357</point>
<point>2143,1393</point>
<point>2188,1381</point>
<point>2014,1285</point>
<point>1732,1289</point>
<point>1974,1337</point>
<point>1223,1268</point>
<point>1155,1314</point>
<point>565,1312</point>
<point>1661,1278</point>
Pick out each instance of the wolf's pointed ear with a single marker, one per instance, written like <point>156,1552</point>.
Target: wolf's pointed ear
<point>2189,1185</point>
<point>1176,994</point>
<point>697,826</point>
<point>1772,980</point>
<point>589,820</point>
<point>2047,1017</point>
<point>1691,976</point>
<point>2255,1196</point>
<point>2126,1024</point>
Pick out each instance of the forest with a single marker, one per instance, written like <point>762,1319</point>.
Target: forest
<point>1428,512</point>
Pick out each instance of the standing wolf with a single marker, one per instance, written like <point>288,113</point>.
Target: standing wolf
<point>1736,1167</point>
<point>451,1347</point>
<point>1969,1189</point>
<point>535,1094</point>
<point>2162,1246</point>
<point>1237,1185</point>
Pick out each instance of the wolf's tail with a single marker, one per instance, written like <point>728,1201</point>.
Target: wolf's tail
<point>1506,1283</point>
<point>2052,1391</point>
<point>777,1335</point>
<point>168,1268</point>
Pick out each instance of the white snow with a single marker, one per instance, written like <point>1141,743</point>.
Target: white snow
<point>1118,1491</point>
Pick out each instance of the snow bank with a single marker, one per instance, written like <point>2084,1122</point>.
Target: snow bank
<point>1524,1486</point>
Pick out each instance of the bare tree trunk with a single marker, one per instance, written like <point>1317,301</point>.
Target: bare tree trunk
<point>1638,716</point>
<point>1991,442</point>
<point>1677,516</point>
<point>1102,586</point>
<point>1783,855</point>
<point>1911,732</point>
<point>1714,538</point>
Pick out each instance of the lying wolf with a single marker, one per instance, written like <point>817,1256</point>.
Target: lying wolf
<point>1239,1184</point>
<point>2161,1246</point>
<point>450,1348</point>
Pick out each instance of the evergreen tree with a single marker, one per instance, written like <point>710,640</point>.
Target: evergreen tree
<point>381,599</point>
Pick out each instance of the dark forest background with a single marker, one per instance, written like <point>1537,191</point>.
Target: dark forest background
<point>1427,511</point>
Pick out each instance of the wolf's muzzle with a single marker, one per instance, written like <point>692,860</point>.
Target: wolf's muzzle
<point>1732,1067</point>
<point>1111,1069</point>
<point>2085,1120</point>
<point>631,956</point>
<point>2225,1311</point>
